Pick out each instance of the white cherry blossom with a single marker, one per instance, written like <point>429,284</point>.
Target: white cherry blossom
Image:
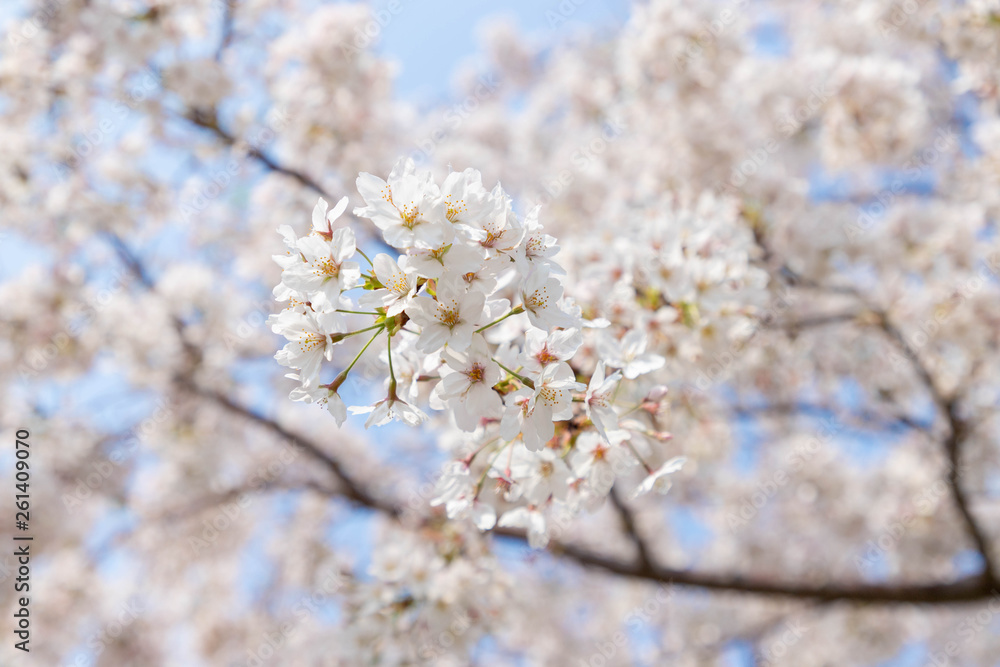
<point>629,354</point>
<point>398,286</point>
<point>540,294</point>
<point>599,400</point>
<point>467,380</point>
<point>543,474</point>
<point>449,318</point>
<point>310,340</point>
<point>532,520</point>
<point>659,479</point>
<point>325,267</point>
<point>406,208</point>
<point>322,220</point>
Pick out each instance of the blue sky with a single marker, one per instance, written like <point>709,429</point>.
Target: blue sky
<point>429,38</point>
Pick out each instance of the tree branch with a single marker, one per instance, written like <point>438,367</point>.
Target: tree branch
<point>350,489</point>
<point>209,121</point>
<point>631,530</point>
<point>948,408</point>
<point>967,589</point>
<point>952,447</point>
<point>818,321</point>
<point>795,408</point>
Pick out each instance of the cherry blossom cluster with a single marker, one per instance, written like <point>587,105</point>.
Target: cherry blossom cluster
<point>796,209</point>
<point>475,324</point>
<point>424,601</point>
<point>681,268</point>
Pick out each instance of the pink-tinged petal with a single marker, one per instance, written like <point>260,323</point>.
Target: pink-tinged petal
<point>337,210</point>
<point>385,268</point>
<point>335,404</point>
<point>319,215</point>
<point>372,188</point>
<point>433,337</point>
<point>342,244</point>
<point>483,516</point>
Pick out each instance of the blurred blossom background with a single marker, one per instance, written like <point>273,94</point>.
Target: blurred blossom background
<point>795,202</point>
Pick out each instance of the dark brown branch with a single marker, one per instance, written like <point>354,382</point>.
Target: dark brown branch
<point>350,489</point>
<point>209,121</point>
<point>631,530</point>
<point>967,589</point>
<point>896,336</point>
<point>131,260</point>
<point>818,321</point>
<point>795,408</point>
<point>956,429</point>
<point>953,449</point>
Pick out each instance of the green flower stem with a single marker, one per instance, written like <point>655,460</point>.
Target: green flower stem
<point>335,385</point>
<point>523,380</point>
<point>489,466</point>
<point>392,375</point>
<point>649,469</point>
<point>355,333</point>
<point>516,311</point>
<point>471,457</point>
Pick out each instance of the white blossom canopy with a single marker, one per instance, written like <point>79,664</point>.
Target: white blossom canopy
<point>693,328</point>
